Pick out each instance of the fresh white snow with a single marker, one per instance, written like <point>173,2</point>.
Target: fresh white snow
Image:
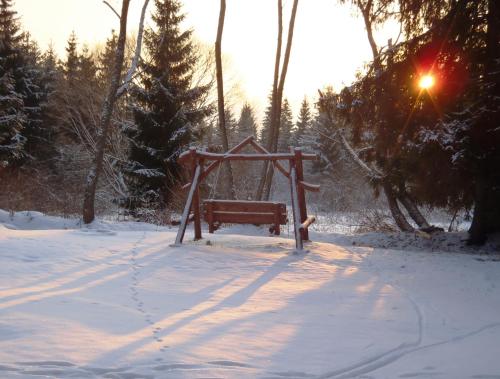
<point>116,301</point>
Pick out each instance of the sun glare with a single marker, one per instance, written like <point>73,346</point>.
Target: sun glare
<point>426,82</point>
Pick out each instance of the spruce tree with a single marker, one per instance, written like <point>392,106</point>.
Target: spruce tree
<point>247,125</point>
<point>78,96</point>
<point>231,127</point>
<point>70,65</point>
<point>19,93</point>
<point>12,117</point>
<point>12,120</point>
<point>106,58</point>
<point>165,107</point>
<point>264,135</point>
<point>286,127</point>
<point>48,81</point>
<point>39,144</point>
<point>87,67</point>
<point>303,122</point>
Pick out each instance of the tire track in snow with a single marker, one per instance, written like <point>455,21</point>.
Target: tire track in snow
<point>384,359</point>
<point>389,357</point>
<point>380,360</point>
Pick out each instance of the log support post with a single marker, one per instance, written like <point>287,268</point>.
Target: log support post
<point>299,244</point>
<point>191,198</point>
<point>196,202</point>
<point>301,192</point>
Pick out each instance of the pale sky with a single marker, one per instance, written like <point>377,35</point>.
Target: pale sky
<point>329,44</point>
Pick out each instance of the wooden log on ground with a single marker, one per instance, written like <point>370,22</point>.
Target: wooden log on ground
<point>308,222</point>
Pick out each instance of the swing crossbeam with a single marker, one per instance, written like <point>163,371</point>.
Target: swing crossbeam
<point>217,212</point>
<point>249,157</point>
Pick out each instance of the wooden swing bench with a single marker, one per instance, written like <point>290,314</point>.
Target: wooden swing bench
<point>217,212</point>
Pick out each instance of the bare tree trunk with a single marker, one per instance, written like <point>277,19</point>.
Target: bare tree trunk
<point>137,55</point>
<point>277,102</point>
<point>266,167</point>
<point>106,113</point>
<point>228,173</point>
<point>397,215</point>
<point>413,210</point>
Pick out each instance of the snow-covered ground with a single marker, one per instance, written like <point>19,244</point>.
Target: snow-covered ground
<point>116,301</point>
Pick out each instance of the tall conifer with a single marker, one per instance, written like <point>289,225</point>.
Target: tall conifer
<point>165,106</point>
<point>247,126</point>
<point>19,93</point>
<point>286,127</point>
<point>304,121</point>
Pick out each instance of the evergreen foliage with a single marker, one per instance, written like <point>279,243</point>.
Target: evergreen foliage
<point>266,123</point>
<point>21,129</point>
<point>304,122</point>
<point>70,65</point>
<point>77,96</point>
<point>405,130</point>
<point>231,128</point>
<point>12,113</point>
<point>247,126</point>
<point>12,120</point>
<point>106,58</point>
<point>164,105</point>
<point>286,127</point>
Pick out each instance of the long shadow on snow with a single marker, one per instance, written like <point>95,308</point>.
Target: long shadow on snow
<point>367,287</point>
<point>234,300</point>
<point>88,263</point>
<point>113,270</point>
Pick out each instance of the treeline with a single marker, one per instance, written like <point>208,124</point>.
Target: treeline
<point>49,118</point>
<point>432,147</point>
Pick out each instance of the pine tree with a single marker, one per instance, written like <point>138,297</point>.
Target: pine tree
<point>48,79</point>
<point>20,92</point>
<point>165,106</point>
<point>70,65</point>
<point>39,146</point>
<point>87,67</point>
<point>12,116</point>
<point>231,128</point>
<point>78,95</point>
<point>286,128</point>
<point>106,58</point>
<point>12,119</point>
<point>304,121</point>
<point>247,125</point>
<point>264,135</point>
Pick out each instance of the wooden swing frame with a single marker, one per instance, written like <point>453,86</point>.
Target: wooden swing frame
<point>202,163</point>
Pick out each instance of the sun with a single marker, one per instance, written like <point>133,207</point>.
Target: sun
<point>426,82</point>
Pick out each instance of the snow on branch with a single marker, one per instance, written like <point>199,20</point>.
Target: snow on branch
<point>372,173</point>
<point>135,62</point>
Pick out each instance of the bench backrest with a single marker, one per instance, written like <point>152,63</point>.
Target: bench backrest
<point>245,212</point>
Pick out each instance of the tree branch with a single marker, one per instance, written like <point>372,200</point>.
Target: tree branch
<point>113,9</point>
